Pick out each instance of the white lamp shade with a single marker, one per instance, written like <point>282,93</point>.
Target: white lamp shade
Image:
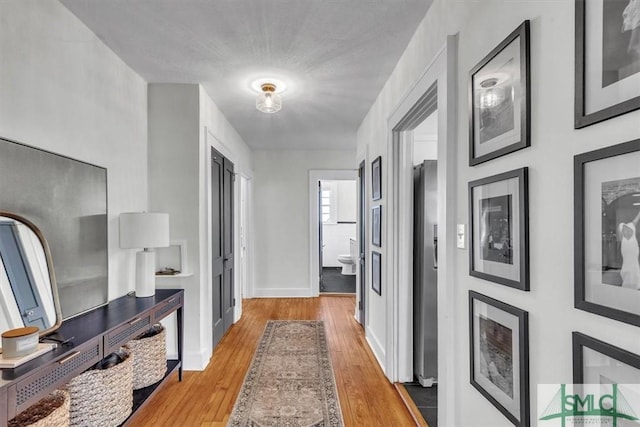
<point>144,230</point>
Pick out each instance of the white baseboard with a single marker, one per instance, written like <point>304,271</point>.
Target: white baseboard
<point>195,361</point>
<point>282,293</point>
<point>376,348</point>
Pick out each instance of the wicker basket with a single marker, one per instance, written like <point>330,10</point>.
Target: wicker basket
<point>150,358</point>
<point>103,397</point>
<point>51,411</point>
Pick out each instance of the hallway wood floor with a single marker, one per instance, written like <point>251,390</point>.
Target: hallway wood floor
<point>205,399</point>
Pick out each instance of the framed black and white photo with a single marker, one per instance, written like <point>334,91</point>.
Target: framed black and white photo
<point>602,365</point>
<point>499,102</point>
<point>607,63</point>
<point>376,272</point>
<point>376,222</point>
<point>376,178</point>
<point>499,355</point>
<point>606,236</point>
<point>499,222</point>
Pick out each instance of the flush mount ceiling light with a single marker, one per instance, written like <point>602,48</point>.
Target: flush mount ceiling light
<point>268,101</point>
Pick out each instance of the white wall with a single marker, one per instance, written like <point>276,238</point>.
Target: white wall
<point>63,90</point>
<point>425,139</point>
<point>336,237</point>
<point>183,124</point>
<point>481,26</point>
<point>173,188</point>
<point>281,206</point>
<point>347,201</point>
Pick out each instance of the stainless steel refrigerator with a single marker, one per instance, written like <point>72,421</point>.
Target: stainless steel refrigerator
<point>425,273</point>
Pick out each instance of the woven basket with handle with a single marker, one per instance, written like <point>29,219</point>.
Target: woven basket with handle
<point>150,358</point>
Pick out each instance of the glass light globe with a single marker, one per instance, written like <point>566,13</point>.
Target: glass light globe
<point>268,101</point>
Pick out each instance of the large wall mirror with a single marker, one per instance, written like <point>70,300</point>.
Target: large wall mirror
<point>67,200</point>
<point>28,291</point>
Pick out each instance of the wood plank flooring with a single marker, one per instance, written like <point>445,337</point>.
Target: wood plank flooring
<point>206,398</point>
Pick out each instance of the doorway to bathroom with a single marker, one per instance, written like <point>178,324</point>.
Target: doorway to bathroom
<point>337,228</point>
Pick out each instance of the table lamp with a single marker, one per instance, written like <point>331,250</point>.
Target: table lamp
<point>144,230</point>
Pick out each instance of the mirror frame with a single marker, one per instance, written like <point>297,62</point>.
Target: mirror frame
<point>52,276</point>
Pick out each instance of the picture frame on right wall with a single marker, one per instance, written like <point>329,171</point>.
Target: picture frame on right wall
<point>607,60</point>
<point>376,178</point>
<point>376,224</point>
<point>605,369</point>
<point>607,232</point>
<point>499,99</point>
<point>376,272</point>
<point>499,355</point>
<point>499,228</point>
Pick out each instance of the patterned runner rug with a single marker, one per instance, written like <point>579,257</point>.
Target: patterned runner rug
<point>290,381</point>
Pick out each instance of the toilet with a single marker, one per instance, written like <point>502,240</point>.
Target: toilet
<point>348,261</point>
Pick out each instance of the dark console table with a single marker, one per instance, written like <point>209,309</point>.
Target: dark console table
<point>92,336</point>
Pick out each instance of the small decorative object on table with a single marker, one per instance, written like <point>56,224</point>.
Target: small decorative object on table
<point>167,271</point>
<point>19,342</point>
<point>149,357</point>
<point>51,411</point>
<point>103,396</point>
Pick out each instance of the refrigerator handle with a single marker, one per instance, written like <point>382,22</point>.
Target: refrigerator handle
<point>435,246</point>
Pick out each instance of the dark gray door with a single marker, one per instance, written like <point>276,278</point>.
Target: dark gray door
<point>228,299</point>
<point>361,241</point>
<point>222,245</point>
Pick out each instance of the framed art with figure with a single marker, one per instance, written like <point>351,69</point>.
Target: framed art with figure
<point>499,101</point>
<point>499,355</point>
<point>498,216</point>
<point>607,217</point>
<point>607,59</point>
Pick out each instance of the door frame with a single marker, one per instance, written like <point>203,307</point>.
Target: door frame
<point>211,141</point>
<point>315,176</point>
<point>361,269</point>
<point>441,72</point>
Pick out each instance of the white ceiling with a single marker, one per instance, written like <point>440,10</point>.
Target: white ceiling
<point>334,56</point>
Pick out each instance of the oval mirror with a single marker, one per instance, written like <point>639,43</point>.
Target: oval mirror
<point>28,292</point>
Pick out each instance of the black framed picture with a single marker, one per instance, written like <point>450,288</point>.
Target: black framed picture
<point>499,222</point>
<point>376,222</point>
<point>499,101</point>
<point>376,178</point>
<point>499,355</point>
<point>376,272</point>
<point>607,63</point>
<point>610,370</point>
<point>606,236</point>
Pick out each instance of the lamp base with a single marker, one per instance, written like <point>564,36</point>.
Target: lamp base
<point>145,274</point>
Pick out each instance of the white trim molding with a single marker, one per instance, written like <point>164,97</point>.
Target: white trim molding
<point>282,293</point>
<point>315,176</point>
<point>440,73</point>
